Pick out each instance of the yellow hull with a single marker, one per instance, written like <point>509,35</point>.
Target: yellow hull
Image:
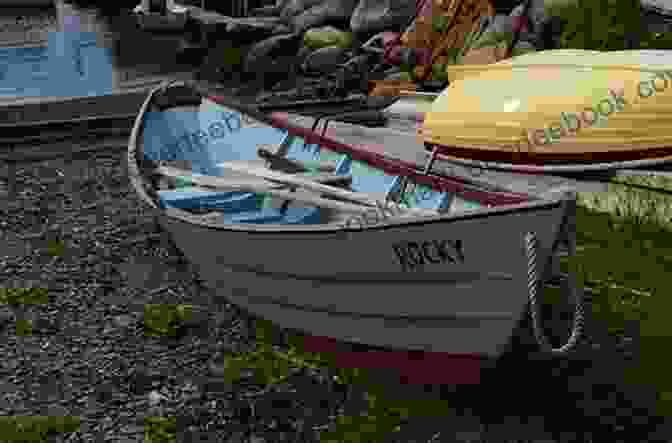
<point>557,106</point>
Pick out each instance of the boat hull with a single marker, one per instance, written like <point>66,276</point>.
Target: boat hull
<point>603,107</point>
<point>364,286</point>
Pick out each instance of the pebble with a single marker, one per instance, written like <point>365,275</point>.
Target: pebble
<point>155,398</point>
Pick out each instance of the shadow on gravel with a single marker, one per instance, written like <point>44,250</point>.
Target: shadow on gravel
<point>581,397</point>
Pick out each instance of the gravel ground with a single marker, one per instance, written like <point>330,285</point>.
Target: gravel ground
<point>88,355</point>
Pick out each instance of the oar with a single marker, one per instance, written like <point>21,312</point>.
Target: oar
<point>259,187</point>
<point>234,183</point>
<point>287,179</point>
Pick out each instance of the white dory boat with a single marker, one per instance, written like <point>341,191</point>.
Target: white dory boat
<point>445,270</point>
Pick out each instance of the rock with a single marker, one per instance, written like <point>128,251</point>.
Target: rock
<point>548,37</point>
<point>398,75</point>
<point>154,398</point>
<point>537,13</point>
<point>267,11</point>
<point>372,16</point>
<point>272,60</point>
<point>303,54</point>
<point>326,60</point>
<point>295,7</point>
<point>263,56</point>
<point>328,12</point>
<point>254,29</point>
<point>6,317</point>
<point>123,321</point>
<point>523,47</point>
<point>317,38</point>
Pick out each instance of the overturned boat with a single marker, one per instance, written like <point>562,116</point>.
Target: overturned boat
<point>557,111</point>
<point>336,241</point>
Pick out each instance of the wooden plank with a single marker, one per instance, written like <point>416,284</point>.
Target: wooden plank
<point>294,180</point>
<point>224,182</point>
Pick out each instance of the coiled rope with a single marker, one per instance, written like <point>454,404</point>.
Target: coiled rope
<point>531,246</point>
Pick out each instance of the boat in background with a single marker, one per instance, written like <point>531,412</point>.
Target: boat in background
<point>556,111</point>
<point>334,241</point>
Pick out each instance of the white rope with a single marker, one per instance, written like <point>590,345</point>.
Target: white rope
<point>535,308</point>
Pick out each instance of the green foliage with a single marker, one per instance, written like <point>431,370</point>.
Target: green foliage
<point>232,56</point>
<point>31,429</point>
<point>23,296</point>
<point>24,327</point>
<point>56,247</point>
<point>656,40</point>
<point>440,24</point>
<point>19,299</point>
<point>160,430</point>
<point>628,199</point>
<point>605,25</point>
<point>165,319</point>
<point>628,260</point>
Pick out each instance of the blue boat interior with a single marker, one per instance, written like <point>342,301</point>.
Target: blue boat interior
<point>162,129</point>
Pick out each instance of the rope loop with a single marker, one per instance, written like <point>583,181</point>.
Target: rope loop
<point>533,282</point>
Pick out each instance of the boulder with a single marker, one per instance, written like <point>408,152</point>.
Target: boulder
<point>292,8</point>
<point>373,16</point>
<point>273,59</point>
<point>327,36</point>
<point>336,12</point>
<point>325,60</point>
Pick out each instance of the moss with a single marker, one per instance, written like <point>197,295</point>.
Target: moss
<point>23,296</point>
<point>31,429</point>
<point>160,430</point>
<point>164,320</point>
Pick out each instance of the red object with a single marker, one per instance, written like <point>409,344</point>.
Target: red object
<point>521,24</point>
<point>414,367</point>
<point>393,44</point>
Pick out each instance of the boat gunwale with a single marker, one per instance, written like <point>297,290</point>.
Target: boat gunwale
<point>558,167</point>
<point>138,181</point>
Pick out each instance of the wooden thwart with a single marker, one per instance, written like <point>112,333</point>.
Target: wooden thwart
<point>234,184</point>
<point>314,186</point>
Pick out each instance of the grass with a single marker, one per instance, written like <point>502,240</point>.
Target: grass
<point>160,430</point>
<point>31,429</point>
<point>627,242</point>
<point>36,429</point>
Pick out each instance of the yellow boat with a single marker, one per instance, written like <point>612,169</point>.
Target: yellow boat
<point>557,107</point>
